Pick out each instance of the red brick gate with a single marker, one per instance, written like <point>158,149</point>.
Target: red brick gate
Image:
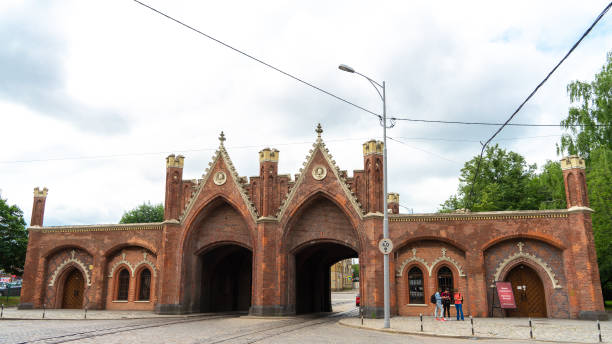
<point>266,244</point>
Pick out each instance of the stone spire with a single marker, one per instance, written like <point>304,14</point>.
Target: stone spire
<point>319,131</point>
<point>221,138</point>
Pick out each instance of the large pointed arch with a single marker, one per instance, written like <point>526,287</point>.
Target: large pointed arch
<point>306,203</point>
<point>204,210</point>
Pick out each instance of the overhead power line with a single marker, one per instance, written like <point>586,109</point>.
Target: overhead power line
<point>484,146</point>
<point>495,124</point>
<point>259,60</point>
<point>125,155</point>
<point>422,150</point>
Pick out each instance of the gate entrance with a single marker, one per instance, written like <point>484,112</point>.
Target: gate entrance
<point>73,290</point>
<point>312,275</point>
<point>528,293</point>
<point>226,279</point>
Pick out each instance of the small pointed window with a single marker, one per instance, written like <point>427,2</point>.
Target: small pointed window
<point>123,285</point>
<point>144,292</point>
<point>415,284</point>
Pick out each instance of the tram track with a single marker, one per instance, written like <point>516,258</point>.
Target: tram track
<point>292,325</point>
<point>74,336</point>
<point>251,334</point>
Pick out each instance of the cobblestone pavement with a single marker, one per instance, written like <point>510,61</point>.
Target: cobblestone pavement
<point>576,331</point>
<point>234,328</point>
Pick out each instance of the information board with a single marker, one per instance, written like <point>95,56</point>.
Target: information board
<point>505,294</point>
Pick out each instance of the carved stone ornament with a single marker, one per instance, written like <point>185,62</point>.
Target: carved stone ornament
<point>220,178</point>
<point>319,172</point>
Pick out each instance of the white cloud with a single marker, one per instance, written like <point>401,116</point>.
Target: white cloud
<point>114,78</point>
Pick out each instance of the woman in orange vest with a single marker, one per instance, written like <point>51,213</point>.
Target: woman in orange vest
<point>458,303</point>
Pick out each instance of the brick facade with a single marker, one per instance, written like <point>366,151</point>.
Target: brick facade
<point>266,244</point>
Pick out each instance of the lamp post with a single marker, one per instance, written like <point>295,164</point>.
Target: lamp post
<point>383,122</point>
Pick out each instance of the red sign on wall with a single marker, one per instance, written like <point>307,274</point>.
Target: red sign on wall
<point>505,294</point>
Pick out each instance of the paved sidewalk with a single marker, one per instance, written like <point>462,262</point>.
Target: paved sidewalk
<point>559,330</point>
<point>75,314</point>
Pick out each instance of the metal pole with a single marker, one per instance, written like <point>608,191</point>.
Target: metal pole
<point>43,315</point>
<point>530,329</point>
<point>421,316</point>
<point>2,312</point>
<point>472,324</point>
<point>385,214</point>
<point>85,314</point>
<point>599,330</point>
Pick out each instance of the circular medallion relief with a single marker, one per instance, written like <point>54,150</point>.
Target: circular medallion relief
<point>319,172</point>
<point>220,178</point>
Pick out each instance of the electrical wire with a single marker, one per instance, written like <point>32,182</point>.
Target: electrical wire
<point>422,150</point>
<point>495,124</point>
<point>111,156</point>
<point>124,155</point>
<point>484,146</point>
<point>259,60</point>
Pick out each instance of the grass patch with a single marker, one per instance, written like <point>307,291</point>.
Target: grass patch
<point>10,301</point>
<point>608,304</point>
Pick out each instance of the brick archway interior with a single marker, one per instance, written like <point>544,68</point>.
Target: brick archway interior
<point>225,279</point>
<point>320,235</point>
<point>217,254</point>
<point>312,275</point>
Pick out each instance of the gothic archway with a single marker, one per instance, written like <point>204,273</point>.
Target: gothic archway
<point>73,289</point>
<point>528,292</point>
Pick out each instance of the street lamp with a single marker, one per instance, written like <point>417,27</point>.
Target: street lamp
<point>383,122</point>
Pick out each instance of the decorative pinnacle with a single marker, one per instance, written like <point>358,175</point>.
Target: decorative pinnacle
<point>221,138</point>
<point>319,130</point>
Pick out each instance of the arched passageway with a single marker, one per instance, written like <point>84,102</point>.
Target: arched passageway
<point>74,285</point>
<point>312,275</point>
<point>226,279</point>
<point>528,293</point>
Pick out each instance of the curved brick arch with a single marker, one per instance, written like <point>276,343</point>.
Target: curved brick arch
<point>532,236</point>
<point>204,211</point>
<point>318,210</point>
<point>409,238</point>
<point>322,241</point>
<point>50,252</point>
<point>298,205</point>
<point>216,244</point>
<point>134,243</point>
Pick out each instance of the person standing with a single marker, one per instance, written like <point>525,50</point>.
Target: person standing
<point>446,301</point>
<point>458,303</point>
<point>439,309</point>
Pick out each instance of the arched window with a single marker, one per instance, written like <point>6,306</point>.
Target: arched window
<point>123,285</point>
<point>445,279</point>
<point>415,285</point>
<point>144,291</point>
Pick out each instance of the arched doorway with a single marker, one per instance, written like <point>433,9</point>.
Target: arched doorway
<point>528,293</point>
<point>312,275</point>
<point>226,279</point>
<point>74,285</point>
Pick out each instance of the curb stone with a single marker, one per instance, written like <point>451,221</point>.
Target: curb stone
<point>429,334</point>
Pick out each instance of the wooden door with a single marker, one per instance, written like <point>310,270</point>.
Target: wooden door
<point>528,293</point>
<point>73,290</point>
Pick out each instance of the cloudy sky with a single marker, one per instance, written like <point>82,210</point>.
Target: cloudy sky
<point>95,94</point>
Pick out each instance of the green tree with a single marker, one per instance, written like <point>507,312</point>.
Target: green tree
<point>355,270</point>
<point>14,242</point>
<point>589,126</point>
<point>144,213</point>
<point>506,182</point>
<point>589,120</point>
<point>599,180</point>
<point>550,185</point>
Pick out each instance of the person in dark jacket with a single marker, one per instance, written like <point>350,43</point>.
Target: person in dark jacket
<point>446,302</point>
